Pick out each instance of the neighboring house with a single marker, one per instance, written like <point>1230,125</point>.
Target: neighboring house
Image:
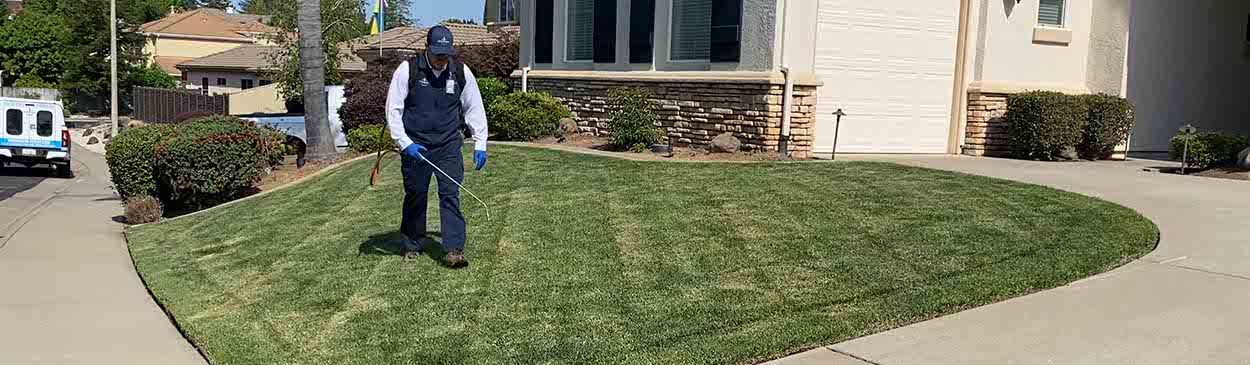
<point>914,76</point>
<point>189,35</point>
<point>501,13</point>
<point>13,6</point>
<point>407,41</point>
<point>242,68</point>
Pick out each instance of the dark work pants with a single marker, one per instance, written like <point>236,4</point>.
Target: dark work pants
<point>416,193</point>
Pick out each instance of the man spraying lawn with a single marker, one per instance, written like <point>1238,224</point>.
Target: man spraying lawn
<point>432,96</point>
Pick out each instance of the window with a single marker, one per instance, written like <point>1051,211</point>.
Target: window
<point>507,11</point>
<point>641,31</point>
<point>726,33</point>
<point>581,24</point>
<point>184,76</point>
<point>44,121</point>
<point>221,81</point>
<point>247,83</point>
<point>605,31</point>
<point>203,82</point>
<point>543,32</point>
<point>265,82</point>
<point>1050,13</point>
<point>691,30</point>
<point>13,122</point>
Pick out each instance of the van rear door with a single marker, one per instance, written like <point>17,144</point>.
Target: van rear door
<point>29,128</point>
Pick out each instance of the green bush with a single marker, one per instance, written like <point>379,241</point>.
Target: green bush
<point>1110,121</point>
<point>491,89</point>
<point>523,116</point>
<point>213,160</point>
<point>1042,124</point>
<point>131,157</point>
<point>633,119</point>
<point>369,139</point>
<point>1208,150</point>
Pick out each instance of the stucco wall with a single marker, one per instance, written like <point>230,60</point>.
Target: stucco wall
<point>1007,51</point>
<point>1187,65</point>
<point>1108,42</point>
<point>234,81</point>
<point>169,47</point>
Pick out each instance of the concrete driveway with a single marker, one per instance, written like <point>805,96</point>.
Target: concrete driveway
<point>1188,302</point>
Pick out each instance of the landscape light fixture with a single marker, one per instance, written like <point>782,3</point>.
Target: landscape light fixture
<point>836,126</point>
<point>1188,130</point>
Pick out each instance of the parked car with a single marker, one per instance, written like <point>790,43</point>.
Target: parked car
<point>34,134</point>
<point>293,124</point>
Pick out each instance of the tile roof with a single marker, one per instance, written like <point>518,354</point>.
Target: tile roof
<point>209,22</point>
<point>170,64</point>
<point>251,58</point>
<point>414,37</point>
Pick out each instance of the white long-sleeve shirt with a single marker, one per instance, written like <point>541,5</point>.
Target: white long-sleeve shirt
<point>470,100</point>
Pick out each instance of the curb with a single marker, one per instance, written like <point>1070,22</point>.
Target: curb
<point>333,167</point>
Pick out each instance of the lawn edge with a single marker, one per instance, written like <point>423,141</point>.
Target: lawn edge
<point>285,186</point>
<point>632,156</point>
<point>165,310</point>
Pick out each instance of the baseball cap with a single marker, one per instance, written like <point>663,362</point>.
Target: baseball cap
<point>439,40</point>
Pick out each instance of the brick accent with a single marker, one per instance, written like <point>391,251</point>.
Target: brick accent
<point>694,113</point>
<point>986,131</point>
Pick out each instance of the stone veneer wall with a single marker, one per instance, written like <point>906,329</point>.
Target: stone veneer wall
<point>692,113</point>
<point>986,132</point>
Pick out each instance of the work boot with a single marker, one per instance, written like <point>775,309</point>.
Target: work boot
<point>455,258</point>
<point>411,253</point>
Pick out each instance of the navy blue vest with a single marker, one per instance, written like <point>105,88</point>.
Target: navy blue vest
<point>431,115</point>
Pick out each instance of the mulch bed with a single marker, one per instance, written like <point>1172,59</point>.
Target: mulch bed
<point>679,153</point>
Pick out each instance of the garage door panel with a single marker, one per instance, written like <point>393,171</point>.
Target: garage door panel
<point>889,64</point>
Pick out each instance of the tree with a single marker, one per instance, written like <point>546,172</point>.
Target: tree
<point>215,4</point>
<point>460,21</point>
<point>313,63</point>
<point>397,14</point>
<point>31,46</point>
<point>258,7</point>
<point>340,24</point>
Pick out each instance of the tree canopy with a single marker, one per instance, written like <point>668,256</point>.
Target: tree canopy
<point>341,22</point>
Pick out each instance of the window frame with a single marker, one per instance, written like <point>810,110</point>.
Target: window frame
<point>221,81</point>
<point>39,123</point>
<point>247,84</point>
<point>507,12</point>
<point>672,32</point>
<point>1063,16</point>
<point>568,39</point>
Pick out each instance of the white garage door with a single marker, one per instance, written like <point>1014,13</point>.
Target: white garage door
<point>889,65</point>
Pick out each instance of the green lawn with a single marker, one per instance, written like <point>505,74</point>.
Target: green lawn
<point>596,260</point>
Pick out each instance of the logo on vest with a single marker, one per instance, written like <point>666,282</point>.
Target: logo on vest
<point>424,82</point>
<point>443,41</point>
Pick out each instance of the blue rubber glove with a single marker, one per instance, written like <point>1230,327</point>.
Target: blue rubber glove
<point>479,157</point>
<point>414,150</point>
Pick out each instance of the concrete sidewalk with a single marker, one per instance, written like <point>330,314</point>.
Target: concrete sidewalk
<point>1188,302</point>
<point>69,293</point>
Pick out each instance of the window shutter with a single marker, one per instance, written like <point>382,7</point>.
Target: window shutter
<point>1050,12</point>
<point>581,17</point>
<point>692,26</point>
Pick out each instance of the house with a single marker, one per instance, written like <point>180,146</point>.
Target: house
<point>242,68</point>
<point>500,13</point>
<point>13,6</point>
<point>407,41</point>
<point>913,76</point>
<point>185,36</point>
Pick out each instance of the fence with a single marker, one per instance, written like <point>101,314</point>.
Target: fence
<point>163,105</point>
<point>30,93</point>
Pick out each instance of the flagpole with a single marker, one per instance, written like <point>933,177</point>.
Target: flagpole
<point>381,27</point>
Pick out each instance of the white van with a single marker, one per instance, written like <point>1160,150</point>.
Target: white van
<point>34,134</point>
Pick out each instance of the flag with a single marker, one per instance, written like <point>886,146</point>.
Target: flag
<point>378,21</point>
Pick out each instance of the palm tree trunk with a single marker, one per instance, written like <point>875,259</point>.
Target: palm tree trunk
<point>312,70</point>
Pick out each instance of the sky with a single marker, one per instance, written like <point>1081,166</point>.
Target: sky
<point>429,12</point>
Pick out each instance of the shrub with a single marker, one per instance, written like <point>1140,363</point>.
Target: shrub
<point>633,119</point>
<point>365,95</point>
<point>491,89</point>
<point>131,159</point>
<point>213,160</point>
<point>1110,121</point>
<point>369,139</point>
<point>1208,150</point>
<point>526,116</point>
<point>1042,124</point>
<point>496,60</point>
<point>142,209</point>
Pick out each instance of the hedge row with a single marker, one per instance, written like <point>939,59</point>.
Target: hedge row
<point>1043,124</point>
<point>1208,150</point>
<point>193,165</point>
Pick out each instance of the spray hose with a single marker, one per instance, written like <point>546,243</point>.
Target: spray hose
<point>479,200</point>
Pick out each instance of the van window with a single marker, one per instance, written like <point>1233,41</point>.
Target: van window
<point>13,122</point>
<point>44,120</point>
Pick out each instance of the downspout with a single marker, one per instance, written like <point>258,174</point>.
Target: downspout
<point>960,92</point>
<point>525,79</point>
<point>788,93</point>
